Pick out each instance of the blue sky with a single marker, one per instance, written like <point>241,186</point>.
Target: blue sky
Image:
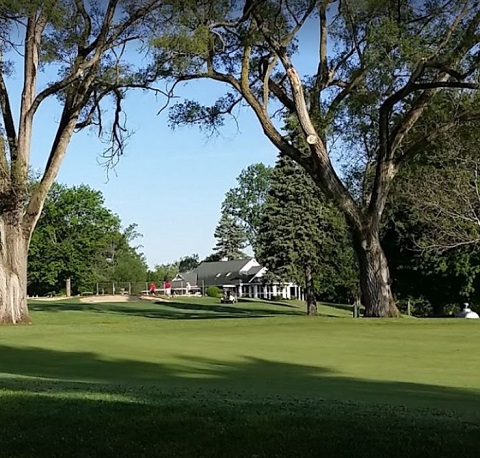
<point>170,183</point>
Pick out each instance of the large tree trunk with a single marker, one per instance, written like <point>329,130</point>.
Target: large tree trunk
<point>376,295</point>
<point>310,293</point>
<point>13,272</point>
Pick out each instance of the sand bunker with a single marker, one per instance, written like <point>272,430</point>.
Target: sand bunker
<point>108,298</point>
<point>119,298</point>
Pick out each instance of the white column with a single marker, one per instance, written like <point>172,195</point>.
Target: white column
<point>255,291</point>
<point>274,290</point>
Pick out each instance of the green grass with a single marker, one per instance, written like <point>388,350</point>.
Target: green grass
<point>198,378</point>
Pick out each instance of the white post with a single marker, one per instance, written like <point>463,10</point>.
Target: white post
<point>255,291</point>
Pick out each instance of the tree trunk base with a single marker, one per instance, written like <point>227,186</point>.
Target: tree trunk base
<point>376,295</point>
<point>389,312</point>
<point>24,319</point>
<point>13,273</point>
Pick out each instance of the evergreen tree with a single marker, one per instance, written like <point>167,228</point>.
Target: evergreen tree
<point>231,238</point>
<point>302,237</point>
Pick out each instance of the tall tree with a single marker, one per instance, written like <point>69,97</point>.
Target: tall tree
<point>77,237</point>
<point>231,238</point>
<point>300,236</point>
<point>82,45</point>
<point>245,202</point>
<point>121,261</point>
<point>382,68</point>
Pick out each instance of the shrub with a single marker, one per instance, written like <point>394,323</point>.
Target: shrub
<point>213,291</point>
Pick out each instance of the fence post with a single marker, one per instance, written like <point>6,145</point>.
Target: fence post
<point>408,307</point>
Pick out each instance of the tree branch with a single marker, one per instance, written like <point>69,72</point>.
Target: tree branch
<point>424,141</point>
<point>57,153</point>
<point>87,26</point>
<point>7,114</point>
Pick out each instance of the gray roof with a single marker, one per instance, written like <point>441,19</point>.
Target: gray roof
<point>221,272</point>
<point>251,273</point>
<point>182,278</point>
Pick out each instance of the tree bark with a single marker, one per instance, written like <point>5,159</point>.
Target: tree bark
<point>13,272</point>
<point>310,293</point>
<point>376,295</point>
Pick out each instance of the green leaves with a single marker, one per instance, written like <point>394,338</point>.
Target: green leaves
<point>77,237</point>
<point>246,201</point>
<point>231,238</point>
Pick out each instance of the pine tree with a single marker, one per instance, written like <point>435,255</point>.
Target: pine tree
<point>300,235</point>
<point>231,238</point>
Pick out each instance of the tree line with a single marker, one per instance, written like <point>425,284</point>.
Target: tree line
<point>391,81</point>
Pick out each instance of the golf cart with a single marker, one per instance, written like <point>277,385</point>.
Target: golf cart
<point>228,296</point>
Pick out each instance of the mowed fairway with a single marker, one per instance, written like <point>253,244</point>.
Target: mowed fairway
<point>197,378</point>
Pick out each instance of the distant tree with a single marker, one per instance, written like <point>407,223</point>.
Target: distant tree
<point>188,263</point>
<point>231,238</point>
<point>163,272</point>
<point>302,237</point>
<point>245,202</point>
<point>77,237</point>
<point>122,261</point>
<point>214,257</point>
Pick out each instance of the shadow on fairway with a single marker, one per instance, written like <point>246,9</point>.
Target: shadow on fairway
<point>167,310</point>
<point>83,405</point>
<point>250,374</point>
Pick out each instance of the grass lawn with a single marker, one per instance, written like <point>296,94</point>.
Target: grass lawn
<point>195,378</point>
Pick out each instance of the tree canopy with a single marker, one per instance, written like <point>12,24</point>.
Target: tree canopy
<point>245,202</point>
<point>388,78</point>
<point>77,237</point>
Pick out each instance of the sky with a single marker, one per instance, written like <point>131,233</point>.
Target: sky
<point>171,183</point>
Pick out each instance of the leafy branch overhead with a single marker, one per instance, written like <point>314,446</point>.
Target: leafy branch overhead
<point>387,78</point>
<point>89,48</point>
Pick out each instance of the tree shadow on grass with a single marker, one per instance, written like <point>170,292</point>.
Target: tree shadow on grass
<point>55,403</point>
<point>166,310</point>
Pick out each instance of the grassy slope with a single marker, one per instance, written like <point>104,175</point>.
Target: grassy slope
<point>196,378</point>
